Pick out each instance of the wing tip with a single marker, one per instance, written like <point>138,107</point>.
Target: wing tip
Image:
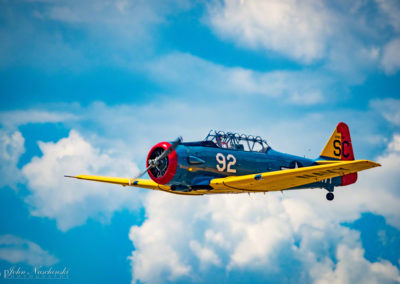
<point>377,164</point>
<point>373,164</point>
<point>67,176</point>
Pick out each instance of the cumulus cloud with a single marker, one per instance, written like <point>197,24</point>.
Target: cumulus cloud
<point>72,202</point>
<point>385,180</point>
<point>13,119</point>
<point>344,35</point>
<point>184,71</point>
<point>122,28</point>
<point>391,9</point>
<point>238,233</point>
<point>391,57</point>
<point>204,254</point>
<point>389,109</point>
<point>352,267</point>
<point>159,258</point>
<point>211,236</point>
<point>11,148</point>
<point>14,250</point>
<point>297,29</point>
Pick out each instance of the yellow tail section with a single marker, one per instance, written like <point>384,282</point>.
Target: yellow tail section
<point>339,146</point>
<point>332,148</point>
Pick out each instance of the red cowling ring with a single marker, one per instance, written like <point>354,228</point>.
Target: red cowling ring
<point>172,166</point>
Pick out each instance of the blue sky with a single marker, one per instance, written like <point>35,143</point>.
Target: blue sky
<point>88,87</point>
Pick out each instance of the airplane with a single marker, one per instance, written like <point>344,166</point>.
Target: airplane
<point>226,162</point>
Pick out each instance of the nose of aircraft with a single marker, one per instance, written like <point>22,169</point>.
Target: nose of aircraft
<point>162,169</point>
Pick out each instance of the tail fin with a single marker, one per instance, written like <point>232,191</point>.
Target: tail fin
<point>339,147</point>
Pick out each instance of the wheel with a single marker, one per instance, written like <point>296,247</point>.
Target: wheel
<point>330,196</point>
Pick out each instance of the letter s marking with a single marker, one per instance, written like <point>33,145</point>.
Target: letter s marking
<point>338,149</point>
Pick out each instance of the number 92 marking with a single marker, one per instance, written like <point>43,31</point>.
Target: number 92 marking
<point>222,165</point>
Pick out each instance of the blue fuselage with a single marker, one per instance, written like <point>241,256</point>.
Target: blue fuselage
<point>198,164</point>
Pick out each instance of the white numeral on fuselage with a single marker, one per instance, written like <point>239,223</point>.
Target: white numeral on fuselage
<point>221,166</point>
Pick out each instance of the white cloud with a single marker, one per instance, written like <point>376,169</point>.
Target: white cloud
<point>109,12</point>
<point>157,257</point>
<point>345,36</point>
<point>13,119</point>
<point>16,250</point>
<point>391,57</point>
<point>389,109</point>
<point>264,233</point>
<point>392,9</point>
<point>204,254</point>
<point>297,29</point>
<point>11,148</point>
<point>378,192</point>
<point>72,202</point>
<point>256,234</point>
<point>352,267</point>
<point>83,34</point>
<point>184,71</point>
<point>395,144</point>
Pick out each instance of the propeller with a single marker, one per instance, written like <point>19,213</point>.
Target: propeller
<point>155,163</point>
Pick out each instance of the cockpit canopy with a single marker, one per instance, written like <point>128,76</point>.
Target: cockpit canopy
<point>235,141</point>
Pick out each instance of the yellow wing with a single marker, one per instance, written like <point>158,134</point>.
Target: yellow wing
<point>143,183</point>
<point>286,179</point>
<point>269,181</point>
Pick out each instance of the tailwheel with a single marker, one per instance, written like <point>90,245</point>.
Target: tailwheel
<point>330,196</point>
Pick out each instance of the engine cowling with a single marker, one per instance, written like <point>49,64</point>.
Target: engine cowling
<point>164,172</point>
